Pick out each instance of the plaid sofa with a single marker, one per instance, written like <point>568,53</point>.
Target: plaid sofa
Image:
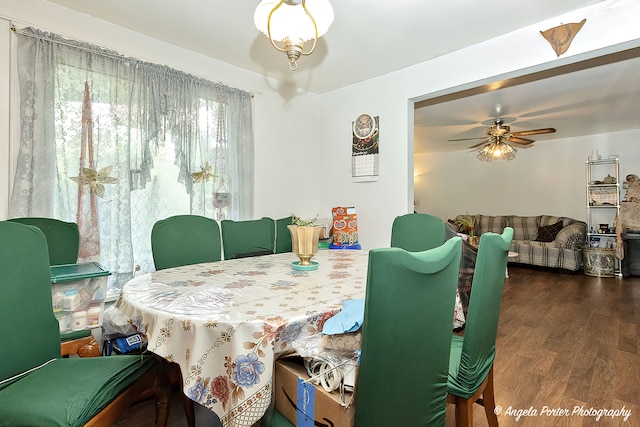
<point>564,252</point>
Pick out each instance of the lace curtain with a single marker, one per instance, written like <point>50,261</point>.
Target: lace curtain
<point>115,144</point>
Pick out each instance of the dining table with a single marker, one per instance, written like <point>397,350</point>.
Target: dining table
<point>226,322</point>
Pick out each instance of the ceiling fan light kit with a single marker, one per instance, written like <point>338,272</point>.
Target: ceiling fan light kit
<point>290,23</point>
<point>497,145</point>
<point>497,150</point>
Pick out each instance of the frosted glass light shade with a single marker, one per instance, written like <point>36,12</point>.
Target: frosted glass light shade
<point>496,151</point>
<point>291,21</point>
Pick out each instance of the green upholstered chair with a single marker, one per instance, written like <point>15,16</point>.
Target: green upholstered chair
<point>63,243</point>
<point>63,238</point>
<point>242,239</point>
<point>402,379</point>
<point>406,336</point>
<point>37,386</point>
<point>472,355</point>
<point>417,232</point>
<point>183,240</point>
<point>283,236</point>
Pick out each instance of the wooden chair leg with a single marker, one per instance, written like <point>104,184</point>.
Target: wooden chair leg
<point>189,411</point>
<point>464,412</point>
<point>490,401</point>
<point>162,392</point>
<point>162,406</point>
<point>187,404</point>
<point>483,396</point>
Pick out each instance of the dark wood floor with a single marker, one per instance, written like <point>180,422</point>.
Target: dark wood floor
<point>565,340</point>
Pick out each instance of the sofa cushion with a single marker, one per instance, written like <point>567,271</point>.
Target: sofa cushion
<point>494,224</point>
<point>524,227</point>
<point>546,254</point>
<point>548,220</point>
<point>547,233</point>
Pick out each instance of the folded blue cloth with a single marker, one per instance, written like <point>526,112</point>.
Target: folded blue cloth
<point>348,320</point>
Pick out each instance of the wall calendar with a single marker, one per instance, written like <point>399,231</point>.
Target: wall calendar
<point>365,148</point>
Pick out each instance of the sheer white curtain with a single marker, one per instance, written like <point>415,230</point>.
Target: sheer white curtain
<point>116,144</point>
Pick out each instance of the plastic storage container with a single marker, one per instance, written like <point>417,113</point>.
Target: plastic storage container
<point>78,292</point>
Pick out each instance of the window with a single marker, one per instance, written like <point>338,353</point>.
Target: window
<point>116,144</point>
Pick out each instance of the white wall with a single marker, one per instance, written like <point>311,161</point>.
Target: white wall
<point>378,203</point>
<point>546,179</point>
<point>286,130</point>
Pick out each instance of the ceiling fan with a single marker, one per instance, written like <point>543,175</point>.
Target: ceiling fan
<point>500,132</point>
<point>497,145</point>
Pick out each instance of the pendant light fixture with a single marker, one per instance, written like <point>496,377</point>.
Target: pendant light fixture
<point>290,23</point>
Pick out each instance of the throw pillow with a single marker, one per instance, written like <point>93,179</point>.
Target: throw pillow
<point>548,233</point>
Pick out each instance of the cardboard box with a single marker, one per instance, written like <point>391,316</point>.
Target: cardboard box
<point>305,404</point>
<point>78,292</point>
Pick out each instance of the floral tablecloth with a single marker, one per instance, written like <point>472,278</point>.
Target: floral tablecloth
<point>226,322</point>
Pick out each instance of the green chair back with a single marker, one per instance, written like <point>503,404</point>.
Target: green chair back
<point>248,238</point>
<point>63,243</point>
<point>417,232</point>
<point>63,238</point>
<point>283,236</point>
<point>29,333</point>
<point>471,365</point>
<point>406,336</point>
<point>184,240</point>
<point>37,386</point>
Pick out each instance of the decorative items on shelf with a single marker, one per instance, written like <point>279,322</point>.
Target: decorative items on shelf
<point>603,192</point>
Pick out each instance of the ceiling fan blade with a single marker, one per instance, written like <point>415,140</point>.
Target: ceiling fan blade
<point>533,132</point>
<point>466,139</point>
<point>522,141</point>
<point>478,144</point>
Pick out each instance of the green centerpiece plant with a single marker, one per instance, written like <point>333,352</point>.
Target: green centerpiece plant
<point>301,222</point>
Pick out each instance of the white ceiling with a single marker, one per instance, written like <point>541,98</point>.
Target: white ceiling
<point>598,99</point>
<point>368,39</point>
